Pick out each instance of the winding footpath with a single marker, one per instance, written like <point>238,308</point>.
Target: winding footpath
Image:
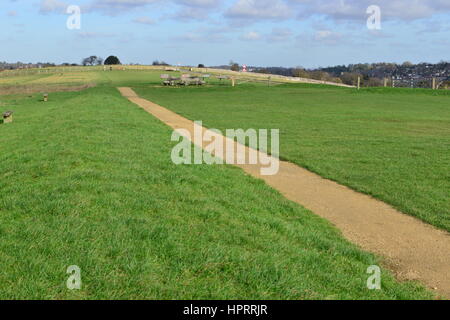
<point>412,249</point>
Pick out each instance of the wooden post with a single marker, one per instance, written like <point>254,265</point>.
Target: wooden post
<point>233,82</point>
<point>385,82</point>
<point>433,85</point>
<point>359,83</point>
<point>8,117</point>
<point>393,82</point>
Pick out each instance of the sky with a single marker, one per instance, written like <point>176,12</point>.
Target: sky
<point>289,33</point>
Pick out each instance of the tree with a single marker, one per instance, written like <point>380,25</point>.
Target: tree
<point>159,63</point>
<point>319,75</point>
<point>201,65</point>
<point>374,82</point>
<point>350,78</point>
<point>112,60</point>
<point>261,70</point>
<point>92,61</point>
<point>234,66</point>
<point>300,73</point>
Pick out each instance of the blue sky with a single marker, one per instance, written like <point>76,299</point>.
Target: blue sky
<point>308,33</point>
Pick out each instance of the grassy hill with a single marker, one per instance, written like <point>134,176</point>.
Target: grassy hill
<point>392,144</point>
<point>86,179</point>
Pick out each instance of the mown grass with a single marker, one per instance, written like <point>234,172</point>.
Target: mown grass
<point>69,78</point>
<point>22,79</point>
<point>86,179</point>
<point>393,144</point>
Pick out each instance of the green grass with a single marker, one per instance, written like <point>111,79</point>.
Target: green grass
<point>22,79</point>
<point>393,144</point>
<point>86,179</point>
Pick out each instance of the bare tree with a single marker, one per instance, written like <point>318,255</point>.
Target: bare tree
<point>234,66</point>
<point>92,61</point>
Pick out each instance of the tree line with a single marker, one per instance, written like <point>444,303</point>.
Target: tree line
<point>97,61</point>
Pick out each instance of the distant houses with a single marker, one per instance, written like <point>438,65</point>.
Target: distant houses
<point>21,65</point>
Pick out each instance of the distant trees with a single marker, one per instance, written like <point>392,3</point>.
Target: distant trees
<point>315,75</point>
<point>234,66</point>
<point>350,78</point>
<point>319,75</point>
<point>112,60</point>
<point>336,70</point>
<point>261,70</point>
<point>159,63</point>
<point>300,73</point>
<point>373,82</point>
<point>92,61</point>
<point>371,74</point>
<point>201,65</point>
<point>446,84</point>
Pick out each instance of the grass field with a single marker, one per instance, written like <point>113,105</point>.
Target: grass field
<point>86,179</point>
<point>392,144</point>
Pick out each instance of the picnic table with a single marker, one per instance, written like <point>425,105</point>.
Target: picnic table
<point>168,80</point>
<point>187,80</point>
<point>184,80</point>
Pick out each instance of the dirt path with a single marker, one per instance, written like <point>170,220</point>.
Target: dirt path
<point>413,250</point>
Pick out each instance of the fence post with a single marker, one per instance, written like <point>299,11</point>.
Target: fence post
<point>359,82</point>
<point>434,84</point>
<point>385,82</point>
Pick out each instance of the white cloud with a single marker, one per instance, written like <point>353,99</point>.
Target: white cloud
<point>48,6</point>
<point>144,20</point>
<point>200,3</point>
<point>117,6</point>
<point>356,9</point>
<point>280,35</point>
<point>327,36</point>
<point>192,14</point>
<point>253,10</point>
<point>251,36</point>
<point>94,35</point>
<point>259,10</point>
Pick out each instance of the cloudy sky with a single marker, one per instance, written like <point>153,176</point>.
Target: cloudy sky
<point>307,33</point>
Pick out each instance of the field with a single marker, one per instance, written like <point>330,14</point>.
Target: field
<point>86,179</point>
<point>391,144</point>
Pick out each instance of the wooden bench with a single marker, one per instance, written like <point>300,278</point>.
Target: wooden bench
<point>187,80</point>
<point>169,80</point>
<point>184,80</point>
